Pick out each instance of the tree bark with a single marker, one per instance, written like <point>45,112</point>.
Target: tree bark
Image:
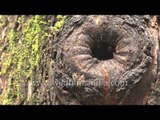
<point>92,60</point>
<point>106,59</point>
<point>20,87</point>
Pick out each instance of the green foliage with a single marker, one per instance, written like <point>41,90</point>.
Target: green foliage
<point>25,53</point>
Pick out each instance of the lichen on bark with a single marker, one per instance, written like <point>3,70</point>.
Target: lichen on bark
<point>25,60</point>
<point>91,59</point>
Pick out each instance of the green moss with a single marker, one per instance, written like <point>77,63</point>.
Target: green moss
<point>25,55</point>
<point>59,23</point>
<point>3,20</point>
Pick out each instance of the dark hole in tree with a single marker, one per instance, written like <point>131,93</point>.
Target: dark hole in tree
<point>103,51</point>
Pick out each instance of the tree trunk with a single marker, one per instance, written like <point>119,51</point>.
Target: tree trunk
<point>94,59</point>
<point>106,59</point>
<point>25,73</point>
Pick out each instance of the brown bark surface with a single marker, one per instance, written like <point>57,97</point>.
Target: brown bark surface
<point>92,60</point>
<point>106,59</point>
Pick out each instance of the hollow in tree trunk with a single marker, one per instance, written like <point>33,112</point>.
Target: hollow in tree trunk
<point>106,59</point>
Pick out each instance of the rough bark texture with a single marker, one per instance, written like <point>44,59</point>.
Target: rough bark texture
<point>93,59</point>
<point>35,88</point>
<point>86,76</point>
